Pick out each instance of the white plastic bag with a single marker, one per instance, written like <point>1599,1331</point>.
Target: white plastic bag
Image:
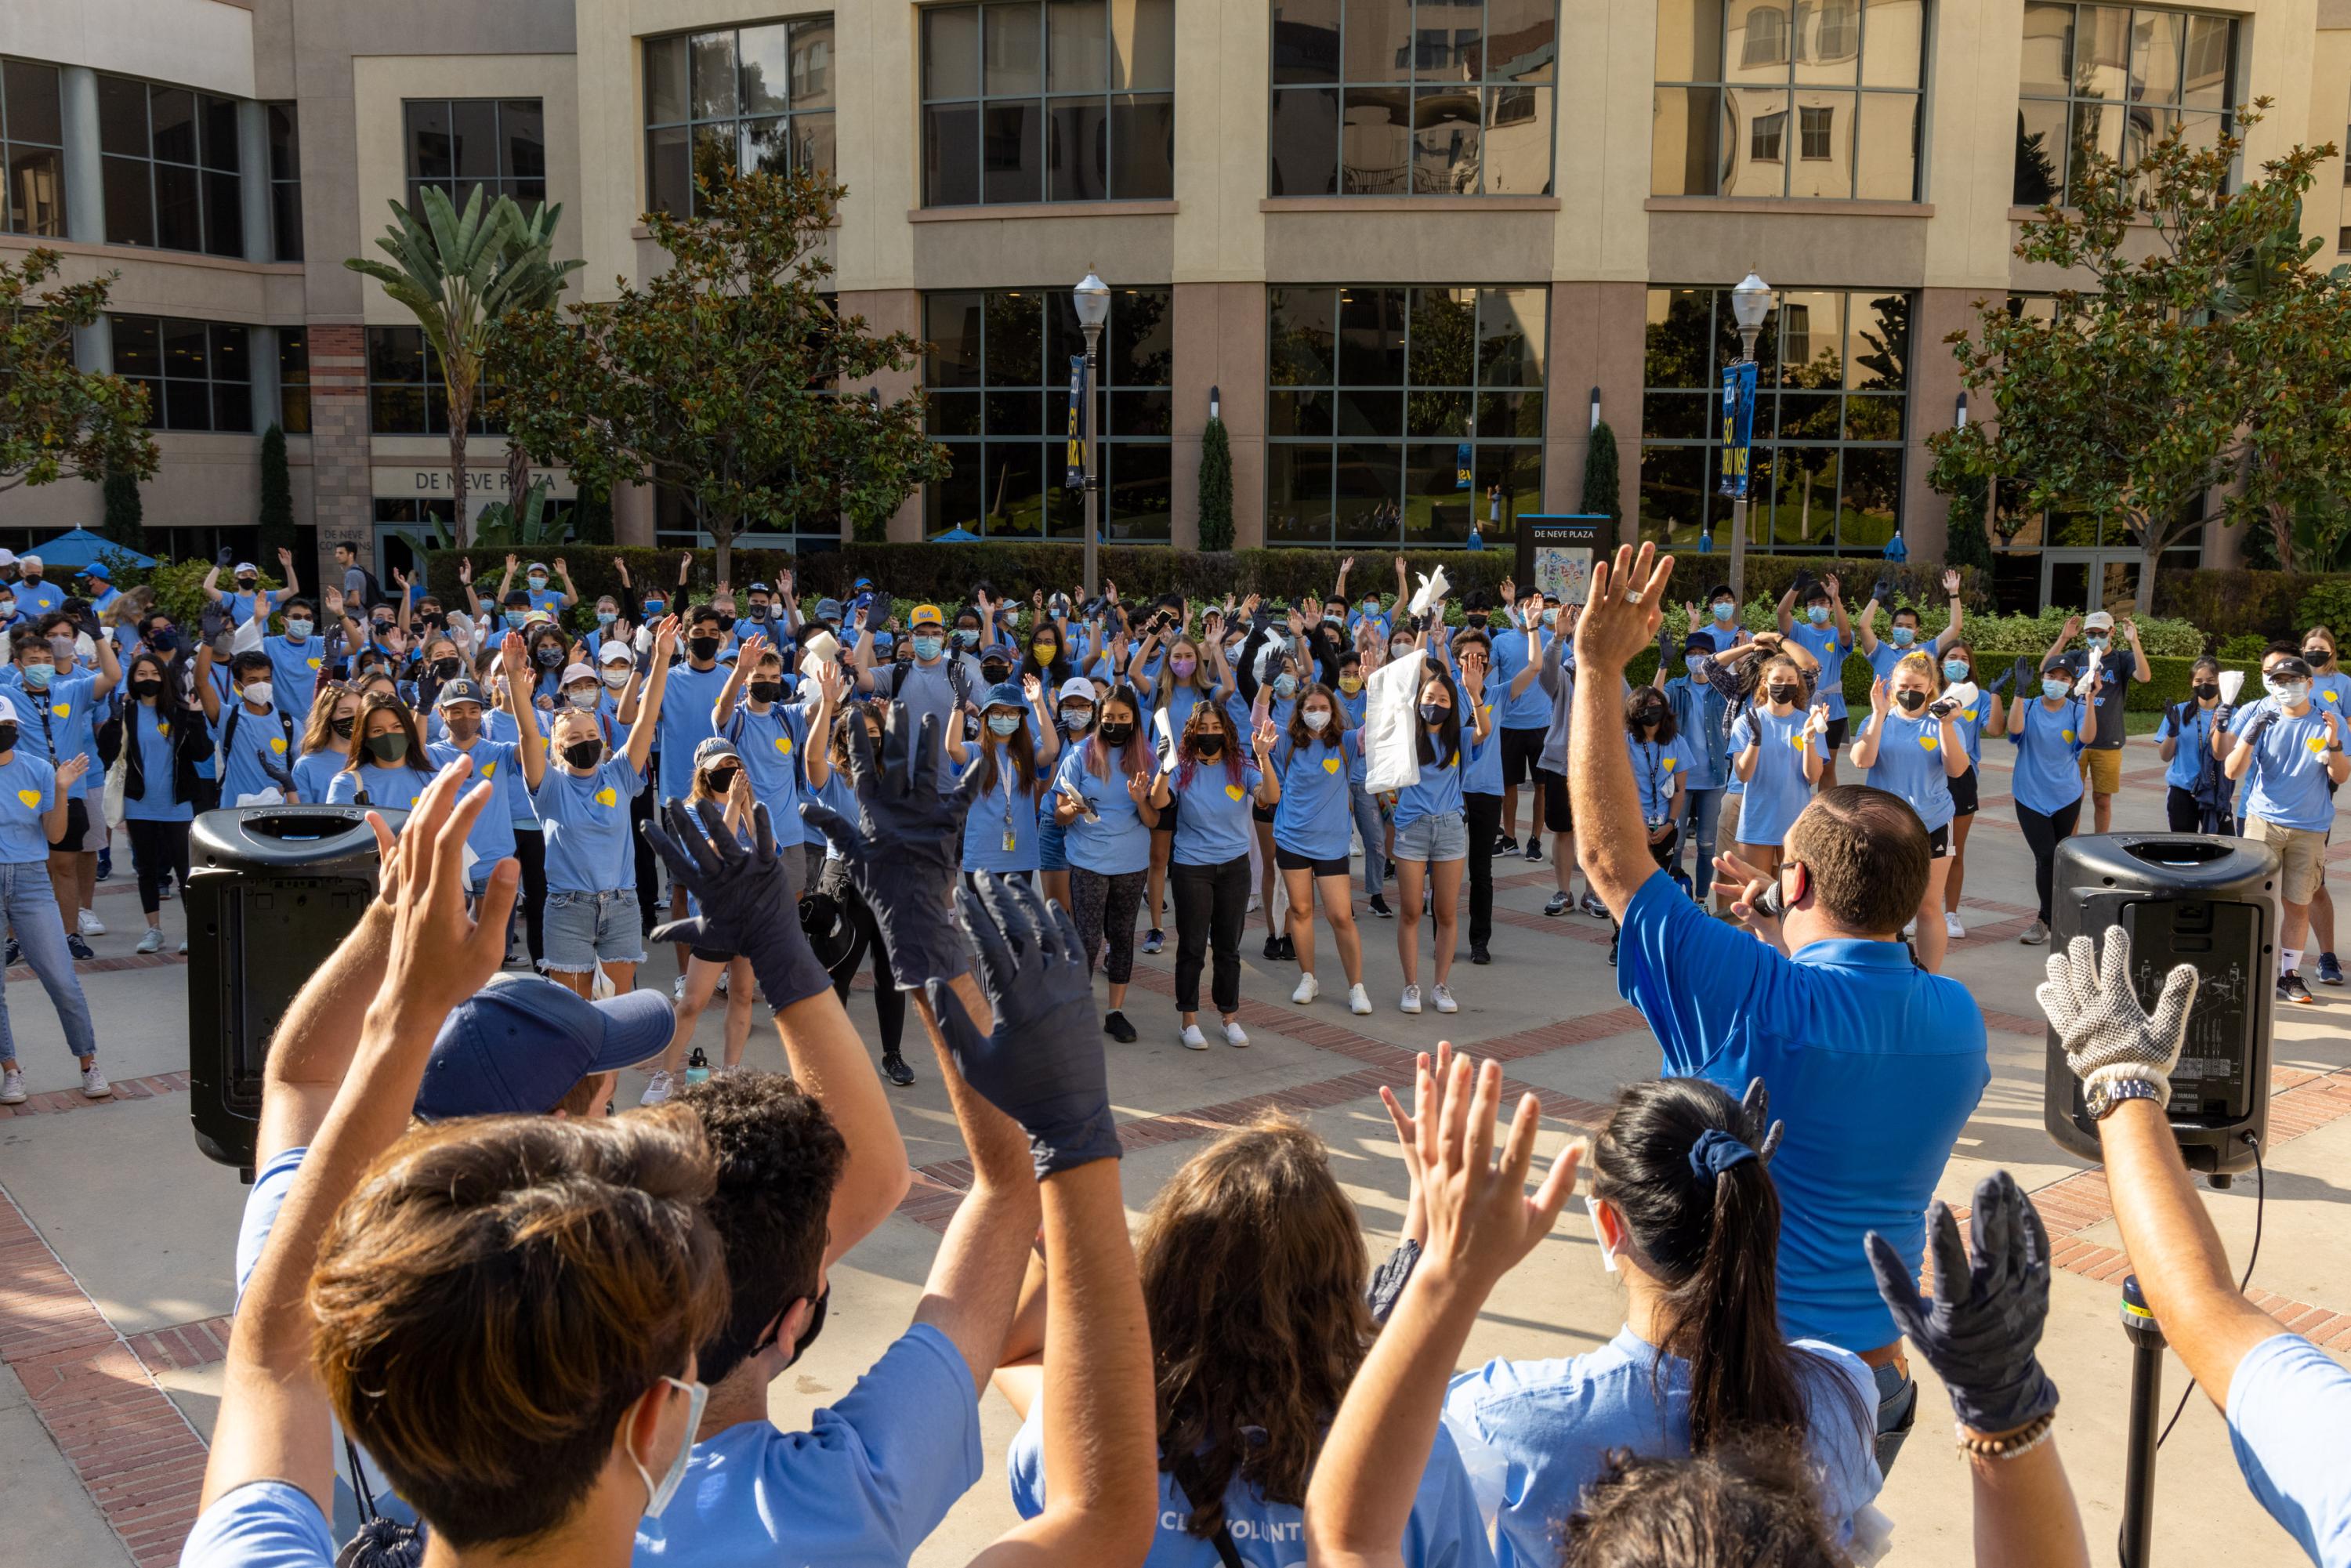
<point>1433,588</point>
<point>118,783</point>
<point>1391,728</point>
<point>2233,683</point>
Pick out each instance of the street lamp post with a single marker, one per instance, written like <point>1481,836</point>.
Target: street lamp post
<point>1749,303</point>
<point>1091,297</point>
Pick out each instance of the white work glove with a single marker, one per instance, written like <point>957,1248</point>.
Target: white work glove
<point>1433,587</point>
<point>2107,1036</point>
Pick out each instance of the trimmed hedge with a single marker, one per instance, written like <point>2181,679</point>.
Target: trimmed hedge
<point>2226,604</point>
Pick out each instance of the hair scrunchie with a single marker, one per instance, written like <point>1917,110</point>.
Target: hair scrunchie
<point>1716,1152</point>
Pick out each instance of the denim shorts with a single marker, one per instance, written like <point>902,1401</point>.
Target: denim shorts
<point>585,929</point>
<point>1053,853</point>
<point>1441,836</point>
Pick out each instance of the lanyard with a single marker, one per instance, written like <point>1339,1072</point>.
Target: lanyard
<point>1653,757</point>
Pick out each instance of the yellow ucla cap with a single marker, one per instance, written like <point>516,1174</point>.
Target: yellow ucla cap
<point>927,615</point>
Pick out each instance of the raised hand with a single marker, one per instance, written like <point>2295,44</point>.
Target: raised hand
<point>748,657</point>
<point>904,847</point>
<point>71,768</point>
<point>1626,602</point>
<point>1265,739</point>
<point>1836,592</point>
<point>1138,789</point>
<point>439,954</point>
<point>1691,611</point>
<point>560,569</point>
<point>1032,688</point>
<point>284,556</point>
<point>1480,1219</point>
<point>1950,584</point>
<point>1982,1328</point>
<point>1816,723</point>
<point>512,563</point>
<point>465,570</point>
<point>1881,696</point>
<point>1042,1062</point>
<point>744,894</point>
<point>2093,1004</point>
<point>1756,1128</point>
<point>666,639</point>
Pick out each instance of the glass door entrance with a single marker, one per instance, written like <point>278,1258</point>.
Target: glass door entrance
<point>2087,580</point>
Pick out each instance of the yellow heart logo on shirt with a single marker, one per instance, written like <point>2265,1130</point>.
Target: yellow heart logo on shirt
<point>608,796</point>
<point>488,769</point>
<point>2065,734</point>
<point>30,796</point>
<point>1670,762</point>
<point>1232,791</point>
<point>2326,696</point>
<point>1929,742</point>
<point>1969,714</point>
<point>63,710</point>
<point>2317,743</point>
<point>277,744</point>
<point>784,745</point>
<point>314,664</point>
<point>1797,740</point>
<point>165,728</point>
<point>1329,765</point>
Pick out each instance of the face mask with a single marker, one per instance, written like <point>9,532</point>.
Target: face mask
<point>514,619</point>
<point>1285,686</point>
<point>389,747</point>
<point>1003,724</point>
<point>1783,693</point>
<point>1608,1252</point>
<point>1207,743</point>
<point>722,779</point>
<point>7,738</point>
<point>247,583</point>
<point>654,607</point>
<point>1117,735</point>
<point>725,621</point>
<point>1698,663</point>
<point>2206,690</point>
<point>1475,622</point>
<point>549,657</point>
<point>967,636</point>
<point>584,754</point>
<point>927,648</point>
<point>7,607</point>
<point>1331,619</point>
<point>1433,714</point>
<point>815,1327</point>
<point>615,676</point>
<point>606,617</point>
<point>143,689</point>
<point>767,691</point>
<point>1233,650</point>
<point>1649,713</point>
<point>37,675</point>
<point>1955,669</point>
<point>1182,667</point>
<point>1315,720</point>
<point>1723,610</point>
<point>581,697</point>
<point>703,648</point>
<point>2096,644</point>
<point>2293,694</point>
<point>382,628</point>
<point>1399,648</point>
<point>1903,636</point>
<point>657,1495</point>
<point>1350,684</point>
<point>1818,614</point>
<point>344,726</point>
<point>1044,653</point>
<point>297,630</point>
<point>539,579</point>
<point>1911,701</point>
<point>2315,656</point>
<point>1077,719</point>
<point>2055,687</point>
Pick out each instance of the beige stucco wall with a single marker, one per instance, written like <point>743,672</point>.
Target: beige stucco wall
<point>195,42</point>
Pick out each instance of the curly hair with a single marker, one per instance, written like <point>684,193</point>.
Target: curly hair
<point>779,1157</point>
<point>1253,1269</point>
<point>1750,1503</point>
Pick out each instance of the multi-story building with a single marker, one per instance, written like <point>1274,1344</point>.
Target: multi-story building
<point>1411,249</point>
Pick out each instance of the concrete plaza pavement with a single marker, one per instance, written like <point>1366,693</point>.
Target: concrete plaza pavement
<point>115,1236</point>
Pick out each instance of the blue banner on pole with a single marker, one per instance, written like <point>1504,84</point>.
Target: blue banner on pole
<point>1075,477</point>
<point>1738,426</point>
<point>1461,476</point>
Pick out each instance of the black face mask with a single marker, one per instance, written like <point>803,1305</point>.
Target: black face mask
<point>1475,622</point>
<point>2206,690</point>
<point>2314,657</point>
<point>767,691</point>
<point>815,1327</point>
<point>1433,713</point>
<point>549,657</point>
<point>584,753</point>
<point>1783,693</point>
<point>704,648</point>
<point>995,675</point>
<point>1649,713</point>
<point>1911,701</point>
<point>726,622</point>
<point>388,748</point>
<point>149,687</point>
<point>164,640</point>
<point>7,738</point>
<point>246,584</point>
<point>447,669</point>
<point>344,726</point>
<point>1117,735</point>
<point>722,779</point>
<point>382,628</point>
<point>1209,745</point>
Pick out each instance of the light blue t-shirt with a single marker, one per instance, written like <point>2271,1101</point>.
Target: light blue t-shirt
<point>53,730</point>
<point>1874,1064</point>
<point>2289,1413</point>
<point>1698,715</point>
<point>27,789</point>
<point>2195,748</point>
<point>1824,644</point>
<point>1779,792</point>
<point>2331,692</point>
<point>999,832</point>
<point>37,600</point>
<point>1531,708</point>
<point>927,691</point>
<point>1315,814</point>
<point>500,764</point>
<point>2286,782</point>
<point>1484,774</point>
<point>153,728</point>
<point>294,673</point>
<point>1212,816</point>
<point>241,605</point>
<point>1534,1433</point>
<point>262,1524</point>
<point>1658,768</point>
<point>549,600</point>
<point>1119,843</point>
<point>2048,775</point>
<point>872,1477</point>
<point>244,737</point>
<point>686,721</point>
<point>1910,764</point>
<point>394,788</point>
<point>1444,1529</point>
<point>1886,655</point>
<point>1167,723</point>
<point>769,744</point>
<point>314,774</point>
<point>1439,789</point>
<point>587,825</point>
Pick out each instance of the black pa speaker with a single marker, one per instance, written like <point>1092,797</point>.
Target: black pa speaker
<point>2185,898</point>
<point>272,891</point>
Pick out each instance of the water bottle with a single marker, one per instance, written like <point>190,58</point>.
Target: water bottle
<point>697,1067</point>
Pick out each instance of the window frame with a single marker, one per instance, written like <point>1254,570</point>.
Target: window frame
<point>2073,99</point>
<point>12,146</point>
<point>162,382</point>
<point>207,179</point>
<point>285,181</point>
<point>428,383</point>
<point>792,119</point>
<point>502,181</point>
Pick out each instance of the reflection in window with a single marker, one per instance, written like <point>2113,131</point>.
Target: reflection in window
<point>745,98</point>
<point>997,382</point>
<point>1422,97</point>
<point>198,375</point>
<point>169,165</point>
<point>406,394</point>
<point>1400,416</point>
<point>2112,82</point>
<point>456,144</point>
<point>285,182</point>
<point>294,380</point>
<point>32,150</point>
<point>1826,472</point>
<point>1730,72</point>
<point>1073,100</point>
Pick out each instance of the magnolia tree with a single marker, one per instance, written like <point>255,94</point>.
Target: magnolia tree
<point>57,420</point>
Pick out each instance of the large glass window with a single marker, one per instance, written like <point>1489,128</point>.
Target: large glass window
<point>285,182</point>
<point>1831,374</point>
<point>745,98</point>
<point>997,379</point>
<point>459,143</point>
<point>198,375</point>
<point>1817,98</point>
<point>405,393</point>
<point>1068,101</point>
<point>32,150</point>
<point>170,167</point>
<point>294,380</point>
<point>2115,79</point>
<point>1398,416</point>
<point>1413,98</point>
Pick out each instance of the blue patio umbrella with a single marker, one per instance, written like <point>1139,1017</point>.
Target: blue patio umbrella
<point>77,548</point>
<point>957,537</point>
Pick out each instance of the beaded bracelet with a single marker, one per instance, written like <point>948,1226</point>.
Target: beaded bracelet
<point>2015,1445</point>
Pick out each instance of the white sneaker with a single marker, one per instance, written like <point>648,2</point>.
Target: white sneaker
<point>677,994</point>
<point>1951,927</point>
<point>152,942</point>
<point>1235,1036</point>
<point>1192,1039</point>
<point>1254,903</point>
<point>94,1085</point>
<point>2035,935</point>
<point>91,926</point>
<point>1445,1002</point>
<point>657,1091</point>
<point>12,1085</point>
<point>721,988</point>
<point>1359,1001</point>
<point>184,946</point>
<point>1307,990</point>
<point>1411,1003</point>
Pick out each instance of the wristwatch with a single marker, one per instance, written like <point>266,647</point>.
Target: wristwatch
<point>2102,1096</point>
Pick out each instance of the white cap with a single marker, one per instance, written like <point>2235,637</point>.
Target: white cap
<point>576,672</point>
<point>1077,686</point>
<point>2097,621</point>
<point>614,652</point>
<point>28,560</point>
<point>245,565</point>
<point>15,709</point>
<point>7,557</point>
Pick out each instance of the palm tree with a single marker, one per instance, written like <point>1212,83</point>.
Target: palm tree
<point>461,277</point>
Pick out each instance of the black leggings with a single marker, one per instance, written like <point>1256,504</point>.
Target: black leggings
<point>530,850</point>
<point>648,904</point>
<point>1483,815</point>
<point>1103,908</point>
<point>1211,908</point>
<point>2186,816</point>
<point>157,848</point>
<point>889,1002</point>
<point>2044,833</point>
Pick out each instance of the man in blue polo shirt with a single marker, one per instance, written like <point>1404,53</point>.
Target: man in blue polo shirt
<point>1875,1063</point>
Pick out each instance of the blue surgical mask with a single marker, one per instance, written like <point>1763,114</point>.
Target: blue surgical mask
<point>1696,662</point>
<point>1955,670</point>
<point>1724,610</point>
<point>606,617</point>
<point>2097,645</point>
<point>37,675</point>
<point>967,636</point>
<point>1285,686</point>
<point>657,1495</point>
<point>1003,724</point>
<point>929,647</point>
<point>539,579</point>
<point>1903,636</point>
<point>654,607</point>
<point>2054,686</point>
<point>514,619</point>
<point>296,628</point>
<point>1818,614</point>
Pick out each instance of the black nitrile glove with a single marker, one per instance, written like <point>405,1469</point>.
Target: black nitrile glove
<point>905,847</point>
<point>1389,1280</point>
<point>2262,718</point>
<point>744,897</point>
<point>1756,1128</point>
<point>1883,591</point>
<point>1984,1323</point>
<point>1042,1064</point>
<point>2007,679</point>
<point>2026,676</point>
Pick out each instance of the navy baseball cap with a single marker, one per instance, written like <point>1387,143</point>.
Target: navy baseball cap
<point>1699,643</point>
<point>828,609</point>
<point>462,690</point>
<point>1003,694</point>
<point>519,1045</point>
